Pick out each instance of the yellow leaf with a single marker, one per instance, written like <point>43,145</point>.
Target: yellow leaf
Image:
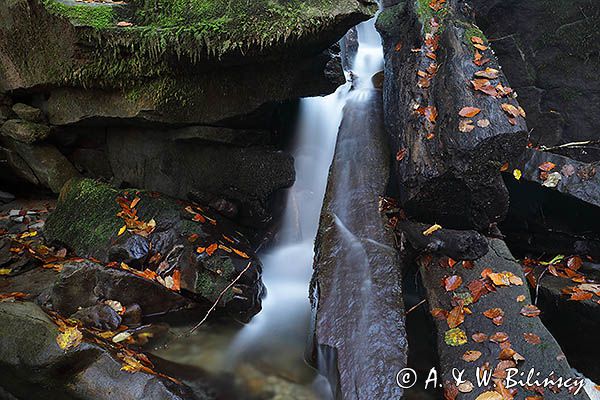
<point>5,271</point>
<point>70,338</point>
<point>489,396</point>
<point>517,174</point>
<point>122,230</point>
<point>28,234</point>
<point>455,337</point>
<point>431,229</point>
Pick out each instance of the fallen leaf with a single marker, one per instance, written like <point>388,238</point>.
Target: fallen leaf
<point>429,231</point>
<point>489,73</point>
<point>440,314</point>
<point>465,125</point>
<point>471,355</point>
<point>530,311</point>
<point>552,180</point>
<point>547,166</point>
<point>521,298</point>
<point>5,271</point>
<point>455,337</point>
<point>476,39</point>
<point>452,282</point>
<point>479,337</point>
<point>122,230</point>
<point>495,314</point>
<point>567,170</point>
<point>134,202</point>
<point>240,253</point>
<point>69,338</point>
<point>456,317</point>
<point>401,154</point>
<point>484,123</point>
<point>499,337</point>
<point>211,249</point>
<point>581,296</point>
<point>517,174</point>
<point>574,263</point>
<point>489,395</point>
<point>532,338</point>
<point>124,24</point>
<point>469,112</point>
<point>466,387</point>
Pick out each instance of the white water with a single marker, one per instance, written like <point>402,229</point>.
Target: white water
<point>282,325</point>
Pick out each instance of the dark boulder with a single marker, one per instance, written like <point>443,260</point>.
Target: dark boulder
<point>549,51</point>
<point>35,367</point>
<point>183,246</point>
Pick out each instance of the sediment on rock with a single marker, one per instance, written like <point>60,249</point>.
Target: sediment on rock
<point>450,114</point>
<point>359,339</point>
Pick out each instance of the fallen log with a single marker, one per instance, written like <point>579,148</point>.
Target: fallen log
<point>485,321</point>
<point>183,246</point>
<point>359,340</point>
<point>450,114</point>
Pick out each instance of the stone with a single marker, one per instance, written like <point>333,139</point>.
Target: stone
<point>35,367</point>
<point>82,285</point>
<point>25,131</point>
<point>46,166</point>
<point>203,248</point>
<point>100,316</point>
<point>358,337</point>
<point>29,113</point>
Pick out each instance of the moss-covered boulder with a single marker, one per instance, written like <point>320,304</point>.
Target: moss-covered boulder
<point>179,61</point>
<point>183,246</point>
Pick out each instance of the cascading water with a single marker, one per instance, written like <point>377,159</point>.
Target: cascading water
<point>278,332</point>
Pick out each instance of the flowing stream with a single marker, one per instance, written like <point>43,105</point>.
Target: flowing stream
<point>275,340</point>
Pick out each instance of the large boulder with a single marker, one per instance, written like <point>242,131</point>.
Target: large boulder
<point>187,248</point>
<point>25,131</point>
<point>549,51</point>
<point>203,63</point>
<point>35,367</point>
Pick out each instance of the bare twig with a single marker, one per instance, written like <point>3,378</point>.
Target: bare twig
<point>413,308</point>
<point>211,309</point>
<point>571,145</point>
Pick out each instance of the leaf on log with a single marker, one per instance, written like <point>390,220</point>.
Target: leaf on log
<point>530,311</point>
<point>469,112</point>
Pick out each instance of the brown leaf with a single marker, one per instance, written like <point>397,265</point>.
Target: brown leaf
<point>469,112</point>
<point>530,311</point>
<point>521,298</point>
<point>495,314</point>
<point>532,338</point>
<point>471,355</point>
<point>581,296</point>
<point>479,337</point>
<point>489,73</point>
<point>456,317</point>
<point>574,263</point>
<point>440,314</point>
<point>499,337</point>
<point>401,154</point>
<point>452,282</point>
<point>547,166</point>
<point>465,125</point>
<point>484,123</point>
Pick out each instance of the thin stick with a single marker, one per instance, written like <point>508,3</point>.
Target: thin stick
<point>211,309</point>
<point>413,308</point>
<point>572,144</point>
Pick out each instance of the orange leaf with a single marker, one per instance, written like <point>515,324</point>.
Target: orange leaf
<point>532,338</point>
<point>211,249</point>
<point>471,355</point>
<point>530,311</point>
<point>469,112</point>
<point>547,166</point>
<point>176,280</point>
<point>456,317</point>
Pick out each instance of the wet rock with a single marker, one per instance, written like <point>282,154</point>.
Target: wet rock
<point>556,218</point>
<point>29,113</point>
<point>25,131</point>
<point>202,78</point>
<point>526,335</point>
<point>573,178</point>
<point>573,323</point>
<point>34,367</point>
<point>85,284</point>
<point>549,55</point>
<point>133,315</point>
<point>174,240</point>
<point>100,316</point>
<point>447,166</point>
<point>459,245</point>
<point>6,197</point>
<point>41,164</point>
<point>247,177</point>
<point>359,340</point>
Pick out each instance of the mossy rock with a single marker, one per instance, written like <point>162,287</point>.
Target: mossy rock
<point>204,249</point>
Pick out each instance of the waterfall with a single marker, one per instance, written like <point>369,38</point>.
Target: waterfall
<point>280,330</point>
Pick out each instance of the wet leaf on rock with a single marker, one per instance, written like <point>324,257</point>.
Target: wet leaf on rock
<point>469,112</point>
<point>471,355</point>
<point>489,395</point>
<point>433,228</point>
<point>452,283</point>
<point>69,337</point>
<point>496,315</point>
<point>530,311</point>
<point>479,337</point>
<point>532,338</point>
<point>455,337</point>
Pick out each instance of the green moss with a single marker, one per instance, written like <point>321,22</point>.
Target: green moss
<point>425,13</point>
<point>210,285</point>
<point>77,197</point>
<point>471,31</point>
<point>96,16</point>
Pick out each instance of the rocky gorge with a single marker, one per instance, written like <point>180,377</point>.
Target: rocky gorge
<point>198,198</point>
